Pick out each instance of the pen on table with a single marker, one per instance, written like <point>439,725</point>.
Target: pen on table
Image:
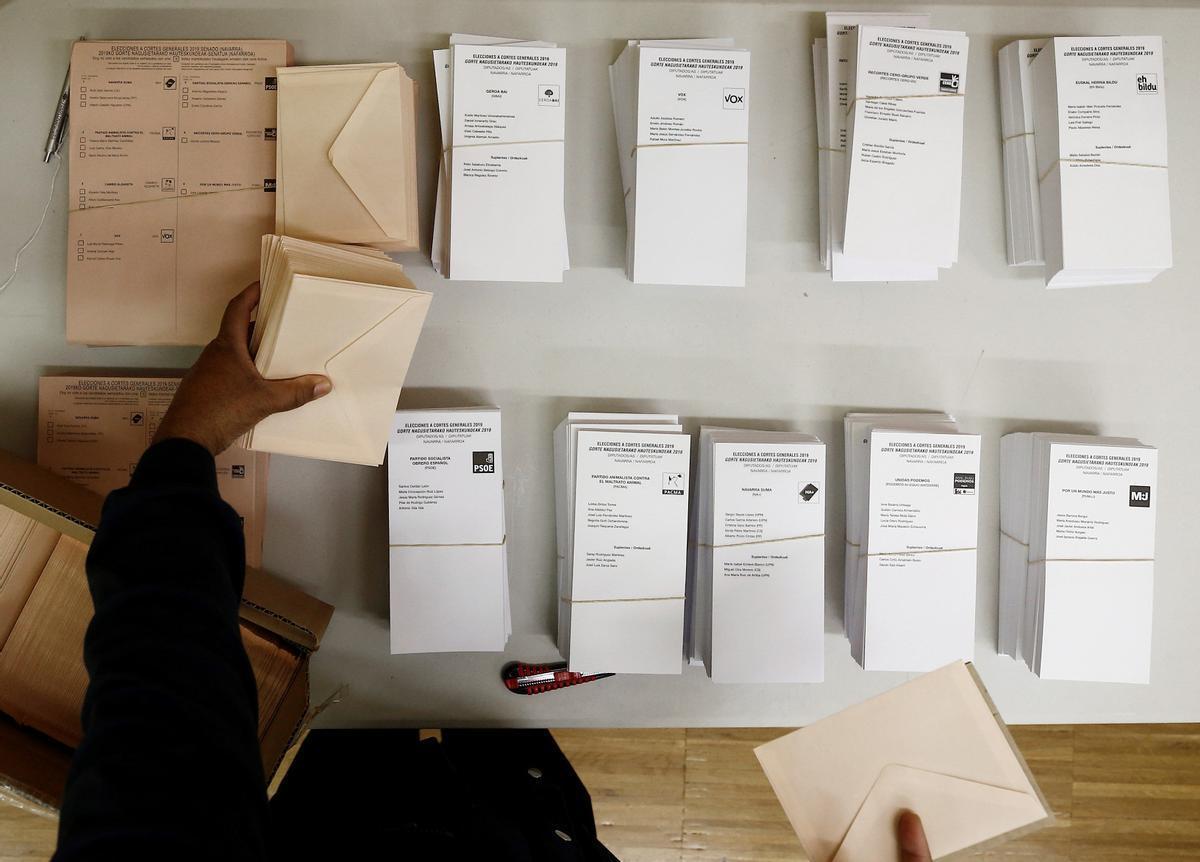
<point>58,125</point>
<point>522,678</point>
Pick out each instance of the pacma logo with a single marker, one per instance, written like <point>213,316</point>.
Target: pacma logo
<point>1147,83</point>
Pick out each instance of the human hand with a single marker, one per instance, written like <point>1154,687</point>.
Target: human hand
<point>910,834</point>
<point>223,396</point>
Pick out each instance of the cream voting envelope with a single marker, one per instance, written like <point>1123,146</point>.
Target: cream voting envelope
<point>933,745</point>
<point>347,155</point>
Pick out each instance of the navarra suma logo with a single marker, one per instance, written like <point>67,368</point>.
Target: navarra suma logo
<point>1147,83</point>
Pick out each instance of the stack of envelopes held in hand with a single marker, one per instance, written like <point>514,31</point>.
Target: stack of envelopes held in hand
<point>935,746</point>
<point>912,511</point>
<point>1077,523</point>
<point>682,113</point>
<point>351,315</point>
<point>502,107</point>
<point>347,155</point>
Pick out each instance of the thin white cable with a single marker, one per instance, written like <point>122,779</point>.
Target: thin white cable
<point>36,230</point>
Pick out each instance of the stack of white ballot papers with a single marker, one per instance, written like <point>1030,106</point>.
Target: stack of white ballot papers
<point>682,114</point>
<point>1100,135</point>
<point>621,500</point>
<point>912,510</point>
<point>350,314</point>
<point>1022,203</point>
<point>757,588</point>
<point>1077,520</point>
<point>446,532</point>
<point>499,213</point>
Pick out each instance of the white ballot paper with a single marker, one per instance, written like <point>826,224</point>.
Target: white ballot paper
<point>1022,201</point>
<point>682,110</point>
<point>904,146</point>
<point>758,588</point>
<point>622,500</point>
<point>1077,555</point>
<point>446,524</point>
<point>841,40</point>
<point>499,214</point>
<point>1099,113</point>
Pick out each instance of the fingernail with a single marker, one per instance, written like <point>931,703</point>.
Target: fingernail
<point>322,388</point>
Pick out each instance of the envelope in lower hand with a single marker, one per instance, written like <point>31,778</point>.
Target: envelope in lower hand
<point>362,337</point>
<point>957,813</point>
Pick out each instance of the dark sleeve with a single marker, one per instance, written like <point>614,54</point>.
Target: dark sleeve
<point>169,766</point>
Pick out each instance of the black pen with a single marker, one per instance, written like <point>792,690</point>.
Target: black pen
<point>58,125</point>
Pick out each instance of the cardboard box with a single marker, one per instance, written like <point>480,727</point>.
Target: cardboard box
<point>172,175</point>
<point>45,608</point>
<point>93,429</point>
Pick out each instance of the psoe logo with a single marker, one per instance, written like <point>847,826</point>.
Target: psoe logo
<point>1139,496</point>
<point>735,99</point>
<point>1147,82</point>
<point>483,462</point>
<point>948,82</point>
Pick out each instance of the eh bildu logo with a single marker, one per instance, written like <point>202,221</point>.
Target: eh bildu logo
<point>808,493</point>
<point>483,462</point>
<point>948,82</point>
<point>673,484</point>
<point>964,483</point>
<point>1139,496</point>
<point>1147,82</point>
<point>735,99</point>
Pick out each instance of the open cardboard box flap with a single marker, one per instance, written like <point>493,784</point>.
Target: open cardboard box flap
<point>33,767</point>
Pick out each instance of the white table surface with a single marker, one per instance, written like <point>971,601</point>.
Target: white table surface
<point>791,350</point>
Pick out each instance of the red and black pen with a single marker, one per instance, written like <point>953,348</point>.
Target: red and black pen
<point>522,678</point>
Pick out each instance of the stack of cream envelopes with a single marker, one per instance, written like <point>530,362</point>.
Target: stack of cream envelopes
<point>351,315</point>
<point>757,588</point>
<point>832,66</point>
<point>935,745</point>
<point>1077,520</point>
<point>447,548</point>
<point>621,499</point>
<point>682,114</point>
<point>912,511</point>
<point>347,153</point>
<point>1022,203</point>
<point>499,214</point>
<point>1100,123</point>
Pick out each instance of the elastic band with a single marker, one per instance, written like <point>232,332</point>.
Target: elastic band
<point>569,601</point>
<point>919,553</point>
<point>1056,163</point>
<point>176,197</point>
<point>458,545</point>
<point>1008,138</point>
<point>760,541</point>
<point>850,106</point>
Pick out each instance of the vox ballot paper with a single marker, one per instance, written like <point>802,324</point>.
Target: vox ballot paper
<point>758,587</point>
<point>1077,518</point>
<point>172,178</point>
<point>1100,134</point>
<point>446,524</point>
<point>682,115</point>
<point>502,104</point>
<point>623,521</point>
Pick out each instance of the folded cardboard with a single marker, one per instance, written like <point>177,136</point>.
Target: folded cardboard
<point>172,173</point>
<point>46,523</point>
<point>93,430</point>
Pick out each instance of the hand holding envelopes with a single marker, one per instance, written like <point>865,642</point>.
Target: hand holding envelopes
<point>351,315</point>
<point>934,745</point>
<point>347,156</point>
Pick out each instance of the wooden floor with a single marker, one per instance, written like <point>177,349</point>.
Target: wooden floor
<point>1121,792</point>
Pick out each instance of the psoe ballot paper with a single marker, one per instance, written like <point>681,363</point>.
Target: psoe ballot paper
<point>449,571</point>
<point>629,554</point>
<point>506,162</point>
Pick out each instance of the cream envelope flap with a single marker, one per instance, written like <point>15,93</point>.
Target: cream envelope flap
<point>368,156</point>
<point>362,337</point>
<point>956,813</point>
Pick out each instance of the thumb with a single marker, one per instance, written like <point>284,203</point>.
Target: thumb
<point>910,834</point>
<point>295,392</point>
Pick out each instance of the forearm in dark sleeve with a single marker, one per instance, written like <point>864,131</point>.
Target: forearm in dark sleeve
<point>169,767</point>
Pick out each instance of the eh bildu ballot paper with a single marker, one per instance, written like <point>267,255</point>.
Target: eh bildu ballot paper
<point>347,156</point>
<point>1100,136</point>
<point>621,495</point>
<point>1077,523</point>
<point>757,587</point>
<point>499,214</point>
<point>912,509</point>
<point>350,314</point>
<point>934,745</point>
<point>446,523</point>
<point>682,115</point>
<point>171,152</point>
<point>93,431</point>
